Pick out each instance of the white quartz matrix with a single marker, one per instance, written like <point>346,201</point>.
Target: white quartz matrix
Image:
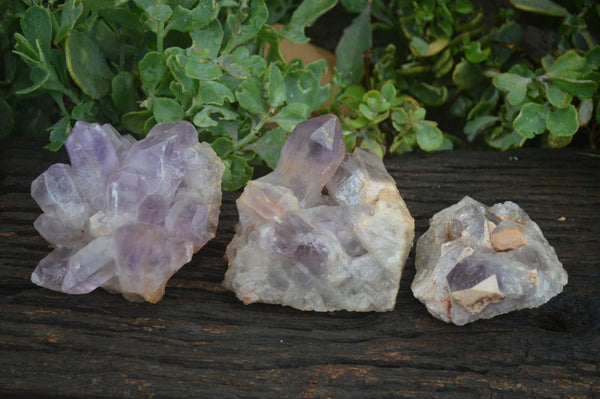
<point>476,262</point>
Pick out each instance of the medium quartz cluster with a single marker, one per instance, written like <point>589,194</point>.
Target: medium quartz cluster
<point>126,214</point>
<point>476,262</point>
<point>297,247</point>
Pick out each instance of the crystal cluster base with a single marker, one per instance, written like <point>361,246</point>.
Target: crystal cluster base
<point>342,251</point>
<point>126,214</point>
<point>476,262</point>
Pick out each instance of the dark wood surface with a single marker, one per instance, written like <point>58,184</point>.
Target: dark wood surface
<point>200,341</point>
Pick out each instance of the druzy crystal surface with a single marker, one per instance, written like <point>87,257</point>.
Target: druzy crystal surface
<point>298,247</point>
<point>476,262</point>
<point>126,214</point>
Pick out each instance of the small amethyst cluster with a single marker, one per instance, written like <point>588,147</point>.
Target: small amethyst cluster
<point>126,214</point>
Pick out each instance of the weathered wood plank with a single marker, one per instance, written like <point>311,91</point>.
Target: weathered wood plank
<point>201,341</point>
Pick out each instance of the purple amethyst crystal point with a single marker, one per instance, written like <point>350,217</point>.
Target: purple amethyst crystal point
<point>476,262</point>
<point>310,157</point>
<point>126,214</point>
<point>294,246</point>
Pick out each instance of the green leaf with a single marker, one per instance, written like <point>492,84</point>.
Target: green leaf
<point>123,92</point>
<point>159,12</point>
<point>464,7</point>
<point>87,66</point>
<point>570,65</point>
<point>558,141</point>
<point>429,94</point>
<point>250,96</point>
<point>237,173</point>
<point>152,69</point>
<point>223,146</point>
<point>185,20</point>
<point>257,17</point>
<point>585,111</point>
<point>290,115</point>
<point>507,141</point>
<point>514,85</point>
<point>135,121</point>
<point>304,16</point>
<point>229,64</point>
<point>429,137</point>
<point>531,120</point>
<point>556,96</point>
<point>41,81</point>
<point>373,145</point>
<point>356,39</point>
<point>68,17</point>
<point>268,146</point>
<point>202,69</point>
<point>25,50</point>
<point>275,86</point>
<point>303,85</point>
<point>580,88</point>
<point>418,46</point>
<point>546,7</point>
<point>475,54</point>
<point>166,110</point>
<point>478,125</point>
<point>562,122</point>
<point>467,76</point>
<point>59,133</point>
<point>207,42</point>
<point>36,25</point>
<point>213,92</point>
<point>206,117</point>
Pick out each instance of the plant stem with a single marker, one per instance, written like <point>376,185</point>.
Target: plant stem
<point>250,136</point>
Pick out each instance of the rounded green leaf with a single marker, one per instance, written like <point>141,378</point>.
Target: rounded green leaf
<point>223,146</point>
<point>531,120</point>
<point>152,69</point>
<point>124,92</point>
<point>467,75</point>
<point>478,125</point>
<point>36,25</point>
<point>514,85</point>
<point>159,12</point>
<point>250,96</point>
<point>87,66</point>
<point>562,122</point>
<point>290,115</point>
<point>580,88</point>
<point>556,96</point>
<point>558,141</point>
<point>202,69</point>
<point>166,110</point>
<point>429,137</point>
<point>213,92</point>
<point>585,111</point>
<point>135,121</point>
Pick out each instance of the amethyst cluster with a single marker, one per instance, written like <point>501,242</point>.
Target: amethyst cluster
<point>476,262</point>
<point>126,214</point>
<point>299,247</point>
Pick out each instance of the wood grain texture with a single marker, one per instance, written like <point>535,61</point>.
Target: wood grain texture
<point>200,341</point>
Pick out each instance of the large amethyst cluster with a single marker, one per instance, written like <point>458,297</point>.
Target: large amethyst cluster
<point>299,247</point>
<point>126,214</point>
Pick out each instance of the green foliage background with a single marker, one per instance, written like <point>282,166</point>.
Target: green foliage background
<point>135,63</point>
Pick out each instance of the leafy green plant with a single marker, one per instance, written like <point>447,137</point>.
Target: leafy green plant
<point>142,62</point>
<point>444,57</point>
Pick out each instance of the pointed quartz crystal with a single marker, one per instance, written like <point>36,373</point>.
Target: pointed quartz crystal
<point>296,246</point>
<point>126,214</point>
